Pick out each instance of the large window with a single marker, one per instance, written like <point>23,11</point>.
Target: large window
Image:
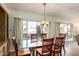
<point>29,27</point>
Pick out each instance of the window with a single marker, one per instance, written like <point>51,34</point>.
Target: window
<point>29,26</point>
<point>32,26</point>
<point>65,29</point>
<point>24,26</point>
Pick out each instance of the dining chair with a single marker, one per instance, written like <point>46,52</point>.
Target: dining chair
<point>20,52</point>
<point>33,36</point>
<point>63,45</point>
<point>57,46</point>
<point>45,50</point>
<point>43,35</point>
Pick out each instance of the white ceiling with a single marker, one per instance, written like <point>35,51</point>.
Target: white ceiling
<point>58,10</point>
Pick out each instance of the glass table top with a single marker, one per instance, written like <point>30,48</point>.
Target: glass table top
<point>31,43</point>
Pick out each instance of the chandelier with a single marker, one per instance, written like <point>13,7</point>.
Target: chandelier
<point>44,23</point>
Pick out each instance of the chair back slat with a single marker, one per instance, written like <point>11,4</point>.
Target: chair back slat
<point>47,45</point>
<point>58,42</point>
<point>43,35</point>
<point>33,36</point>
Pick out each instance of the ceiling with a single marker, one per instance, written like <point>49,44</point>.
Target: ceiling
<point>57,10</point>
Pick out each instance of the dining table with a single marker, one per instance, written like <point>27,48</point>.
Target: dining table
<point>32,44</point>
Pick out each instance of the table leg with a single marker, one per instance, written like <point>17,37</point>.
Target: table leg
<point>33,51</point>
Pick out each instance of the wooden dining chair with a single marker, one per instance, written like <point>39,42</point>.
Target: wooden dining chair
<point>63,45</point>
<point>43,35</point>
<point>45,50</point>
<point>21,52</point>
<point>57,46</point>
<point>63,36</point>
<point>33,36</point>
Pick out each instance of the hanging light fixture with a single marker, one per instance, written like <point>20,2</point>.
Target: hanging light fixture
<point>44,23</point>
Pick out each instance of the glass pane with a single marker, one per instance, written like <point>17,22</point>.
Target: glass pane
<point>32,30</point>
<point>69,26</point>
<point>25,43</point>
<point>31,24</point>
<point>32,27</point>
<point>63,28</point>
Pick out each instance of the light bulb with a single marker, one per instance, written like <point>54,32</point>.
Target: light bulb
<point>13,38</point>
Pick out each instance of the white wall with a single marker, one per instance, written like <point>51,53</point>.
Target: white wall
<point>57,28</point>
<point>10,30</point>
<point>28,15</point>
<point>75,27</point>
<point>52,28</point>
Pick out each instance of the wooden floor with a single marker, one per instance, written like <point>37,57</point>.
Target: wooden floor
<point>12,54</point>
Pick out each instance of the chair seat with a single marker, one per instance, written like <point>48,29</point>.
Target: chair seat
<point>55,51</point>
<point>24,52</point>
<point>45,52</point>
